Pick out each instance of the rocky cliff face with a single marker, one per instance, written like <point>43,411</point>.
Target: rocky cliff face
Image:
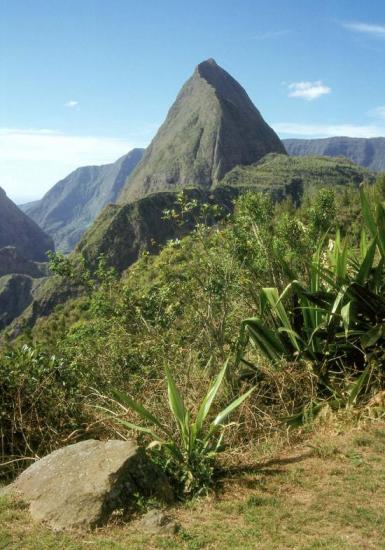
<point>369,153</point>
<point>15,297</point>
<point>19,231</point>
<point>212,127</point>
<point>71,206</point>
<point>11,261</point>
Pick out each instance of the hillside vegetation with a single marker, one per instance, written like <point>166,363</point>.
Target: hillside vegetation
<point>275,170</point>
<point>122,232</point>
<point>367,152</point>
<point>231,343</point>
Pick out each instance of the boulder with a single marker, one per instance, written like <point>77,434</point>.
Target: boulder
<point>79,486</point>
<point>157,522</point>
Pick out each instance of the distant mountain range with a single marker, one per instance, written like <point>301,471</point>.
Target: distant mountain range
<point>367,152</point>
<point>214,144</point>
<point>71,205</point>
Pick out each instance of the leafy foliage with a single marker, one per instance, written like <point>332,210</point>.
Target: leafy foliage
<point>38,401</point>
<point>313,304</point>
<point>336,320</point>
<point>189,457</point>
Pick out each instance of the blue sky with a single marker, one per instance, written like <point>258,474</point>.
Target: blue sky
<point>83,81</point>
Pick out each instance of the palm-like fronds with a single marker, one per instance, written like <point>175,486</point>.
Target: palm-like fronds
<point>337,320</point>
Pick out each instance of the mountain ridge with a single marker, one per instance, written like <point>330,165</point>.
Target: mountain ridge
<point>367,152</point>
<point>72,204</point>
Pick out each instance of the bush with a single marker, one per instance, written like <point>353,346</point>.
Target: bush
<point>336,320</point>
<point>188,456</point>
<point>39,405</point>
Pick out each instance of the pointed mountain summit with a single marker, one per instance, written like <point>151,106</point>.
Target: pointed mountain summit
<point>212,127</point>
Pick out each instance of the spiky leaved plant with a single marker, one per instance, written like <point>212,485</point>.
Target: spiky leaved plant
<point>337,321</point>
<point>188,455</point>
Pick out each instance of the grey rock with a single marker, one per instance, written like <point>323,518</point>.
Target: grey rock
<point>157,522</point>
<point>79,486</point>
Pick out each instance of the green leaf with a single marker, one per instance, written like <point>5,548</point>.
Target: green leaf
<point>357,386</point>
<point>367,213</point>
<point>367,263</point>
<point>372,336</point>
<point>363,244</point>
<point>230,408</point>
<point>380,219</point>
<point>209,398</point>
<point>275,301</point>
<point>135,427</point>
<point>177,405</point>
<point>265,338</point>
<point>345,314</point>
<point>137,407</point>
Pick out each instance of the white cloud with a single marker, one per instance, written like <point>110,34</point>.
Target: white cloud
<point>32,160</point>
<point>378,112</point>
<point>270,34</point>
<point>365,28</point>
<point>71,104</point>
<point>328,130</point>
<point>308,90</point>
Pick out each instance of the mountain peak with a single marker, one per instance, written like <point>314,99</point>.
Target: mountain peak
<point>208,62</point>
<point>211,127</point>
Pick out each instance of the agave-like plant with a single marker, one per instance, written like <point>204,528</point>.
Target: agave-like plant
<point>337,321</point>
<point>189,456</point>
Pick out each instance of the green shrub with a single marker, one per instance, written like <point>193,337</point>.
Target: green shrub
<point>39,405</point>
<point>189,455</point>
<point>336,321</point>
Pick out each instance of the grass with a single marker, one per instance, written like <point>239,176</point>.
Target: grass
<point>324,493</point>
<point>274,170</point>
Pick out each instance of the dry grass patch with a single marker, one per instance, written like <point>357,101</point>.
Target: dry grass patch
<point>326,492</point>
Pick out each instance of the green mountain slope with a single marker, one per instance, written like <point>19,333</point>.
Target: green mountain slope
<point>19,231</point>
<point>369,153</point>
<point>276,170</point>
<point>211,127</point>
<point>71,206</point>
<point>122,232</point>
